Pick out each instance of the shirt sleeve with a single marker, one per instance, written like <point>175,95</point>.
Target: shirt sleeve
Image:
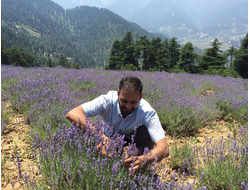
<point>96,106</point>
<point>154,127</point>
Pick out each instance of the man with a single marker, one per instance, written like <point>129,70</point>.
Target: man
<point>124,110</point>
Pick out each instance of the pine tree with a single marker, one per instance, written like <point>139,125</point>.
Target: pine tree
<point>174,52</point>
<point>76,66</point>
<point>115,61</point>
<point>142,48</point>
<point>240,62</point>
<point>163,56</point>
<point>213,57</point>
<point>155,53</point>
<point>230,52</point>
<point>19,57</point>
<point>50,63</point>
<point>187,58</point>
<point>128,50</point>
<point>63,61</point>
<point>4,56</point>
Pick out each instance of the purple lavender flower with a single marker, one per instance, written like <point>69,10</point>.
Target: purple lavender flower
<point>12,156</point>
<point>103,181</point>
<point>48,129</point>
<point>33,184</point>
<point>26,180</point>
<point>88,152</point>
<point>12,184</point>
<point>39,168</point>
<point>121,184</point>
<point>63,163</point>
<point>19,167</point>
<point>51,182</point>
<point>53,170</point>
<point>104,163</point>
<point>202,175</point>
<point>170,185</point>
<point>244,185</point>
<point>115,168</point>
<point>93,162</point>
<point>172,177</point>
<point>79,173</point>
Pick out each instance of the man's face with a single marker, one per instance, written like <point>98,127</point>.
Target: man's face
<point>128,101</point>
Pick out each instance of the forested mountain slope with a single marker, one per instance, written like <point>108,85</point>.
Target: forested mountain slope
<point>84,34</point>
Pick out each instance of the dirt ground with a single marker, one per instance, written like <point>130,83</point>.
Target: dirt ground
<point>14,139</point>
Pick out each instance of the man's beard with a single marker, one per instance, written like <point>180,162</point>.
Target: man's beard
<point>126,111</point>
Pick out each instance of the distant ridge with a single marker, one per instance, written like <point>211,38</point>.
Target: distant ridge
<point>188,20</point>
<point>84,33</point>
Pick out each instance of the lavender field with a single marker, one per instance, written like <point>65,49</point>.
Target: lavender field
<point>185,103</point>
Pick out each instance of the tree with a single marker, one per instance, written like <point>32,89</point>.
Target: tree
<point>240,62</point>
<point>187,58</point>
<point>213,57</point>
<point>115,59</point>
<point>142,48</point>
<point>174,52</point>
<point>163,56</point>
<point>128,50</point>
<point>152,62</point>
<point>4,56</point>
<point>76,66</point>
<point>19,57</point>
<point>50,63</point>
<point>155,47</point>
<point>128,67</point>
<point>230,53</point>
<point>63,61</point>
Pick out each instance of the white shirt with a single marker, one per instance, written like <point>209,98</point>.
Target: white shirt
<point>107,106</point>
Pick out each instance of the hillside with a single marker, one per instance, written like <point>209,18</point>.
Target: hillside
<point>83,34</point>
<point>195,21</point>
<point>189,20</point>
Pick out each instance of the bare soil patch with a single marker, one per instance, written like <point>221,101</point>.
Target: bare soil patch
<point>15,140</point>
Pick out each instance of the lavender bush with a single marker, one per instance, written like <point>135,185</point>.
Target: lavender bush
<point>6,112</point>
<point>225,163</point>
<point>70,159</point>
<point>184,102</point>
<point>4,116</point>
<point>220,164</point>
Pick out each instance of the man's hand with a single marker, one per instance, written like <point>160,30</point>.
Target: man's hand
<point>104,144</point>
<point>159,151</point>
<point>133,164</point>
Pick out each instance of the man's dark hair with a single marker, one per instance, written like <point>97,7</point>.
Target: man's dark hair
<point>131,83</point>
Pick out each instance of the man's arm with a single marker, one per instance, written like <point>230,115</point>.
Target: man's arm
<point>160,150</point>
<point>77,116</point>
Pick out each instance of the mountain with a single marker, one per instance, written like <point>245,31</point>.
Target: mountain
<point>84,34</point>
<point>168,18</point>
<point>188,20</point>
<point>194,20</point>
<point>123,8</point>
